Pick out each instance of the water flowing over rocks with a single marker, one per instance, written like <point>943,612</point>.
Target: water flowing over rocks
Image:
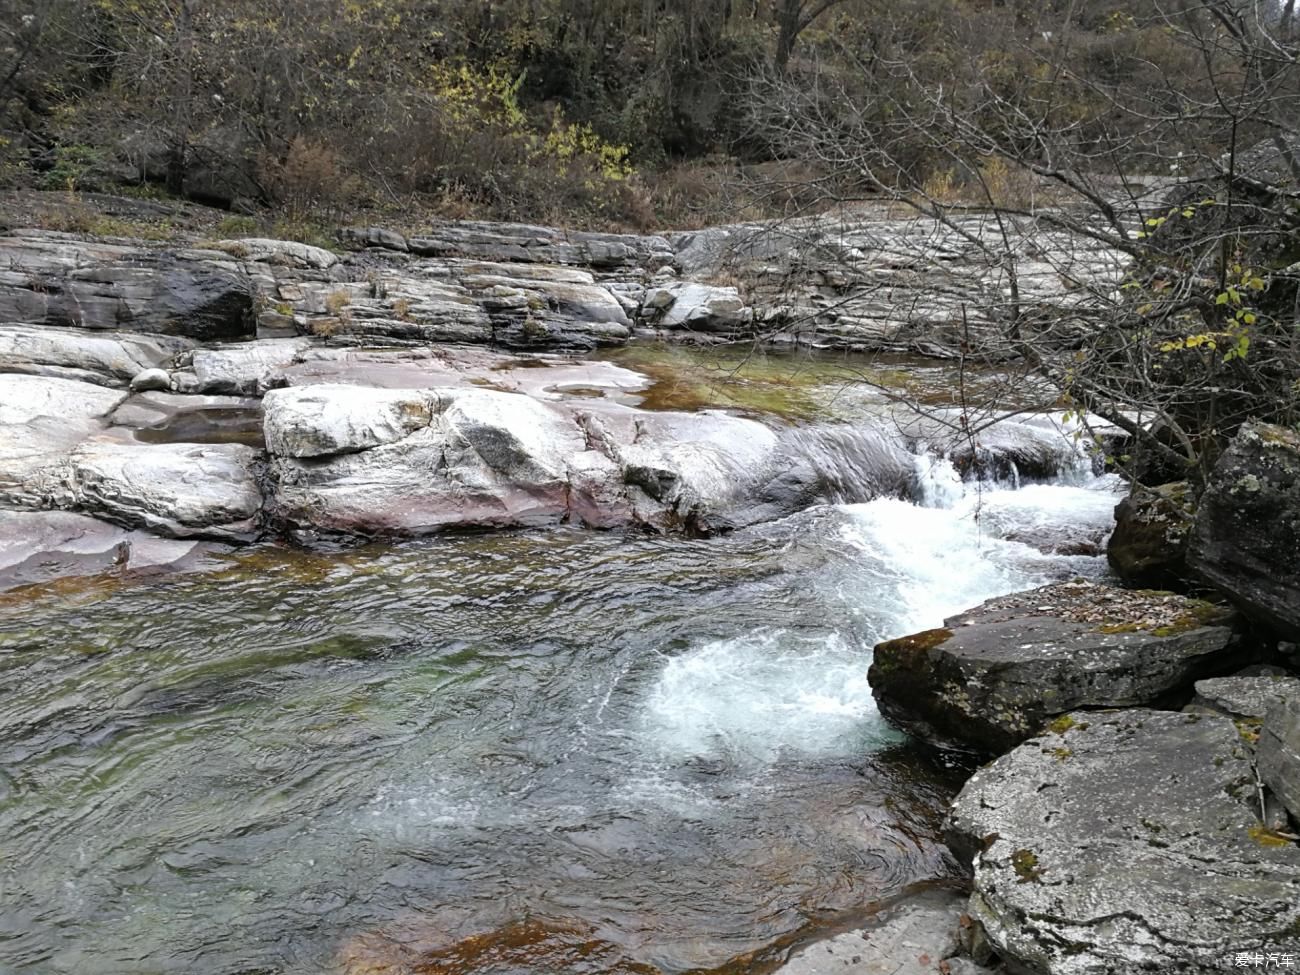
<point>1246,536</point>
<point>1126,841</point>
<point>129,409</point>
<point>994,675</point>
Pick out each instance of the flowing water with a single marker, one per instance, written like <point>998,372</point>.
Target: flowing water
<point>560,751</point>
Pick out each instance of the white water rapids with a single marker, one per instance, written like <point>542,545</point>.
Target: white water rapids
<point>625,754</point>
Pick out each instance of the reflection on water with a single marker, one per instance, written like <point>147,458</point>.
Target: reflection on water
<point>532,752</point>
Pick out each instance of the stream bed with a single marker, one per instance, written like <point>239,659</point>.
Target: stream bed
<point>556,751</point>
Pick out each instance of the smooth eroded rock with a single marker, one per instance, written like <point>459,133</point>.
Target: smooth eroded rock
<point>177,490</point>
<point>39,546</point>
<point>107,359</point>
<point>412,462</point>
<point>1246,536</point>
<point>41,419</point>
<point>1126,841</point>
<point>316,421</point>
<point>992,676</point>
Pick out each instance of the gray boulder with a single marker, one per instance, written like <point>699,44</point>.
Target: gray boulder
<point>1148,548</point>
<point>1279,751</point>
<point>1246,536</point>
<point>991,677</point>
<point>202,491</point>
<point>148,380</point>
<point>1126,841</point>
<point>66,282</point>
<point>696,307</point>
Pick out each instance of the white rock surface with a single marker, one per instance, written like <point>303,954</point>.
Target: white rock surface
<point>314,421</point>
<point>176,490</point>
<point>105,358</point>
<point>288,252</point>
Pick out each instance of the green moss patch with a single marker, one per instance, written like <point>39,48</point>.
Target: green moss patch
<point>1025,864</point>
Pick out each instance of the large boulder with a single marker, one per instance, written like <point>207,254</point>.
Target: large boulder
<point>1148,548</point>
<point>696,307</point>
<point>65,282</point>
<point>203,491</point>
<point>361,460</point>
<point>1246,536</point>
<point>1279,751</point>
<point>993,676</point>
<point>1124,842</point>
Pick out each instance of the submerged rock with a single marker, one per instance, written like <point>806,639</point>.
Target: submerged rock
<point>1126,841</point>
<point>1246,537</point>
<point>917,937</point>
<point>994,675</point>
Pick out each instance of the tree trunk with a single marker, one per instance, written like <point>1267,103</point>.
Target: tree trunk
<point>182,94</point>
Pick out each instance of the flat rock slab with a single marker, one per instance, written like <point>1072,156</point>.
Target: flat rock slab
<point>42,418</point>
<point>992,676</point>
<point>1243,697</point>
<point>39,546</point>
<point>912,938</point>
<point>105,358</point>
<point>1128,841</point>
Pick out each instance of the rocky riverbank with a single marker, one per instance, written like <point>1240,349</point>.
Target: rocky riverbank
<point>1116,833</point>
<point>226,391</point>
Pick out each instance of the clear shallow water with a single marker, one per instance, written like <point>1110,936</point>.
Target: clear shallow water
<point>534,752</point>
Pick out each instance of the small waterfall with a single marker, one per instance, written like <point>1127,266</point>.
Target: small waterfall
<point>922,461</point>
<point>938,485</point>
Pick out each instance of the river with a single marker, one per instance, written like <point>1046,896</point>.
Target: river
<point>554,751</point>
